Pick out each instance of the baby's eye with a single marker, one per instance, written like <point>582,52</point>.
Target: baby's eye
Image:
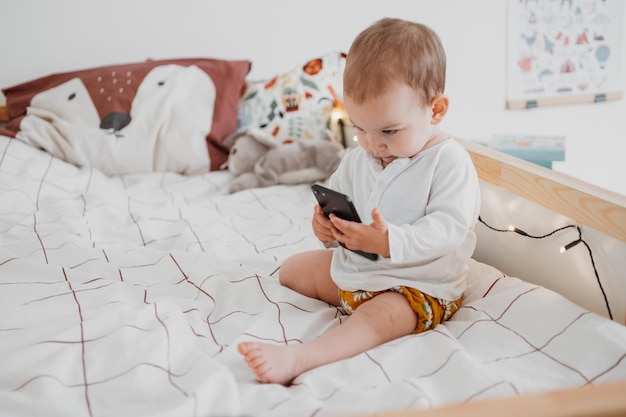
<point>390,132</point>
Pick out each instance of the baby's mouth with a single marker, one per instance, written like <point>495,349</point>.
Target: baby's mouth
<point>386,160</point>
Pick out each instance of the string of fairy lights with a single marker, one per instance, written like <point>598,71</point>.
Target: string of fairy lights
<point>565,248</point>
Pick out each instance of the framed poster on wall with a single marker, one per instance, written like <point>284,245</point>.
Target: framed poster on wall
<point>564,51</point>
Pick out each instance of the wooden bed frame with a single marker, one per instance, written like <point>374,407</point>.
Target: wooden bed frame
<point>606,400</point>
<point>586,204</point>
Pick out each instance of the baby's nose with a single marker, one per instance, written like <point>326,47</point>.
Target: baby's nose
<point>376,145</point>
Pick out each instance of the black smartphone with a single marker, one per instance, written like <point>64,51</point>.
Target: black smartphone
<point>341,206</point>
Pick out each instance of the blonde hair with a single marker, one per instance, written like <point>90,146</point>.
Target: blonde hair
<point>391,51</point>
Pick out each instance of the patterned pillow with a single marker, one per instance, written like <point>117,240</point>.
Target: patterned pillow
<point>296,104</point>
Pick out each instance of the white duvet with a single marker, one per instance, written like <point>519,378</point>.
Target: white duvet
<point>127,295</point>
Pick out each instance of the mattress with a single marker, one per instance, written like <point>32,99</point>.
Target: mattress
<point>128,295</point>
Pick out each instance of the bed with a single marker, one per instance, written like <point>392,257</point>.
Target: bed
<point>129,273</point>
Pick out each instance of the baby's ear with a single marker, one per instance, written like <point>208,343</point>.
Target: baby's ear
<point>439,106</point>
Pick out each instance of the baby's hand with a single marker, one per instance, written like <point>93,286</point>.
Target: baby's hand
<point>321,225</point>
<point>371,238</point>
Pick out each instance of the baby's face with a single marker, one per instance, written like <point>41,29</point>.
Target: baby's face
<point>394,125</point>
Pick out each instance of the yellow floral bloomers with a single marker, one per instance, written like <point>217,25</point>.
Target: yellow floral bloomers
<point>430,310</point>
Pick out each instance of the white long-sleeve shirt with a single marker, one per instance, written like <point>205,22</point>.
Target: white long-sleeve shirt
<point>431,203</point>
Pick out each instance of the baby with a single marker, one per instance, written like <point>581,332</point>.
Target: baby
<point>418,196</point>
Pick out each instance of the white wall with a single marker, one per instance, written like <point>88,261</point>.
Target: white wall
<point>44,36</point>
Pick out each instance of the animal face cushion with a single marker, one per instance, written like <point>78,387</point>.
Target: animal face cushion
<point>169,115</point>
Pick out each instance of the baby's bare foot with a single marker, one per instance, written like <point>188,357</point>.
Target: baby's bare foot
<point>270,363</point>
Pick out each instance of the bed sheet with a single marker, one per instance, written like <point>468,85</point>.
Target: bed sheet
<point>127,295</point>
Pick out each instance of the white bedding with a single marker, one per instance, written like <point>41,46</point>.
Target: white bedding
<point>127,295</point>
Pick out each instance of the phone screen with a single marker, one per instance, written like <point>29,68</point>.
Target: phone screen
<point>341,206</point>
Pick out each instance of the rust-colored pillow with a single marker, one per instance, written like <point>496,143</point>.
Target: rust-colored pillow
<point>135,117</point>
